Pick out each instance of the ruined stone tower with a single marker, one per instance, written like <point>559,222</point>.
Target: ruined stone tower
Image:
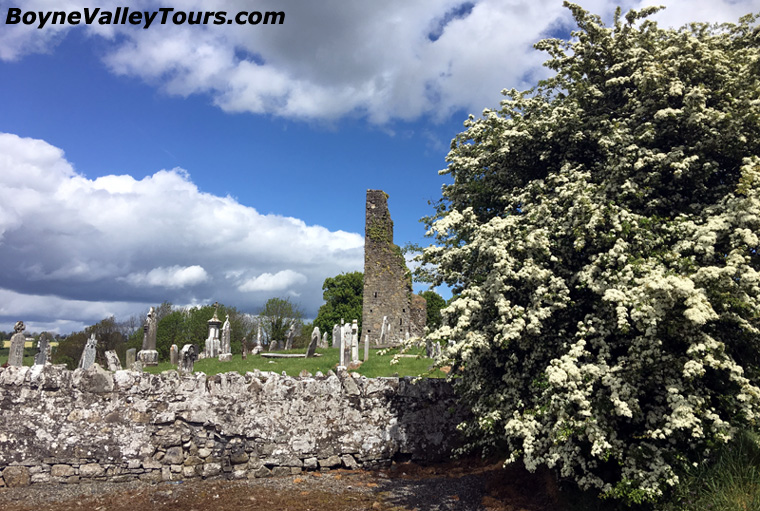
<point>390,308</point>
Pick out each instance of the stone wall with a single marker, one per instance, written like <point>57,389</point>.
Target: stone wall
<point>387,280</point>
<point>60,426</point>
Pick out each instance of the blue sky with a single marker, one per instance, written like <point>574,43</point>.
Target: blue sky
<point>230,163</point>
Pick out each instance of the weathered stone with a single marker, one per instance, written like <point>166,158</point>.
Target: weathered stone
<point>310,464</point>
<point>187,358</point>
<point>16,477</point>
<point>226,352</point>
<point>290,336</point>
<point>88,354</point>
<point>95,379</point>
<point>331,462</point>
<point>349,462</point>
<point>212,469</point>
<point>387,280</point>
<point>131,357</point>
<point>61,470</point>
<point>213,344</point>
<point>91,470</point>
<point>174,355</point>
<point>112,360</point>
<point>43,351</point>
<point>262,472</point>
<point>174,456</point>
<point>18,340</point>
<point>313,344</point>
<point>336,336</point>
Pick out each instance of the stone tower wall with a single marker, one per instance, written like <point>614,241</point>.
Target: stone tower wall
<point>387,280</point>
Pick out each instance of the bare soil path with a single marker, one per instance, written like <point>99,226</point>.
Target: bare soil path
<point>455,486</point>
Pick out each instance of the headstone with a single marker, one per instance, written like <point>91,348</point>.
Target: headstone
<point>291,335</point>
<point>16,354</point>
<point>43,351</point>
<point>148,354</point>
<point>354,342</point>
<point>336,336</point>
<point>225,354</point>
<point>187,358</point>
<point>131,355</point>
<point>345,342</point>
<point>88,354</point>
<point>174,355</point>
<point>384,332</point>
<point>112,360</point>
<point>366,347</point>
<point>258,335</point>
<point>429,348</point>
<point>244,349</point>
<point>324,343</point>
<point>313,344</point>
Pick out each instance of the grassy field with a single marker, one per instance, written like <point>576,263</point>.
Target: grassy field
<point>377,365</point>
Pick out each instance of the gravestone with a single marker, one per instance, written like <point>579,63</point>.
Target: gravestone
<point>174,355</point>
<point>291,335</point>
<point>385,332</point>
<point>366,348</point>
<point>324,343</point>
<point>148,354</point>
<point>112,360</point>
<point>43,351</point>
<point>336,336</point>
<point>354,342</point>
<point>244,349</point>
<point>213,344</point>
<point>16,354</point>
<point>131,355</point>
<point>187,358</point>
<point>313,344</point>
<point>88,354</point>
<point>225,354</point>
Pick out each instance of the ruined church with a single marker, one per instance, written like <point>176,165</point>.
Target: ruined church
<point>391,311</point>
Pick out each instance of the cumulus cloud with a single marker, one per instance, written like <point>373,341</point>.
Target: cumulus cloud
<point>173,277</point>
<point>71,245</point>
<point>383,60</point>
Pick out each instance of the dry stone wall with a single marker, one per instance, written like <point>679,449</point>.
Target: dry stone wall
<point>61,426</point>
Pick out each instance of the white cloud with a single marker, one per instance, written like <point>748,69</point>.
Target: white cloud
<point>173,277</point>
<point>280,281</point>
<point>71,245</point>
<point>386,60</point>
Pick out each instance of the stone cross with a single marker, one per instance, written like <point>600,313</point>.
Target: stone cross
<point>88,354</point>
<point>43,351</point>
<point>225,354</point>
<point>16,354</point>
<point>187,359</point>
<point>148,354</point>
<point>174,355</point>
<point>315,337</point>
<point>112,360</point>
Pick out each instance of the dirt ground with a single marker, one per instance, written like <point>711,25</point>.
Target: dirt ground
<point>455,486</point>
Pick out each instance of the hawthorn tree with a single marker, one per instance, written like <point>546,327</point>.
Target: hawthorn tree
<point>601,239</point>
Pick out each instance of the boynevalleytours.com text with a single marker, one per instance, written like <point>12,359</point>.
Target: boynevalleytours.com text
<point>127,16</point>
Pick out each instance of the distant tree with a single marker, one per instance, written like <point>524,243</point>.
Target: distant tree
<point>109,336</point>
<point>435,303</point>
<point>343,300</point>
<point>277,315</point>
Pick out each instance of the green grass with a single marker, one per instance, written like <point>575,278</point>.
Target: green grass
<point>732,483</point>
<point>377,365</point>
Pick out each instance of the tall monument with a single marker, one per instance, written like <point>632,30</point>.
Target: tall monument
<point>388,291</point>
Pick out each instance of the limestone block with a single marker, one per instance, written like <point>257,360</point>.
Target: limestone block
<point>16,477</point>
<point>174,456</point>
<point>91,470</point>
<point>61,470</point>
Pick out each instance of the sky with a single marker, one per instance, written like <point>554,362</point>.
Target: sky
<point>224,162</point>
